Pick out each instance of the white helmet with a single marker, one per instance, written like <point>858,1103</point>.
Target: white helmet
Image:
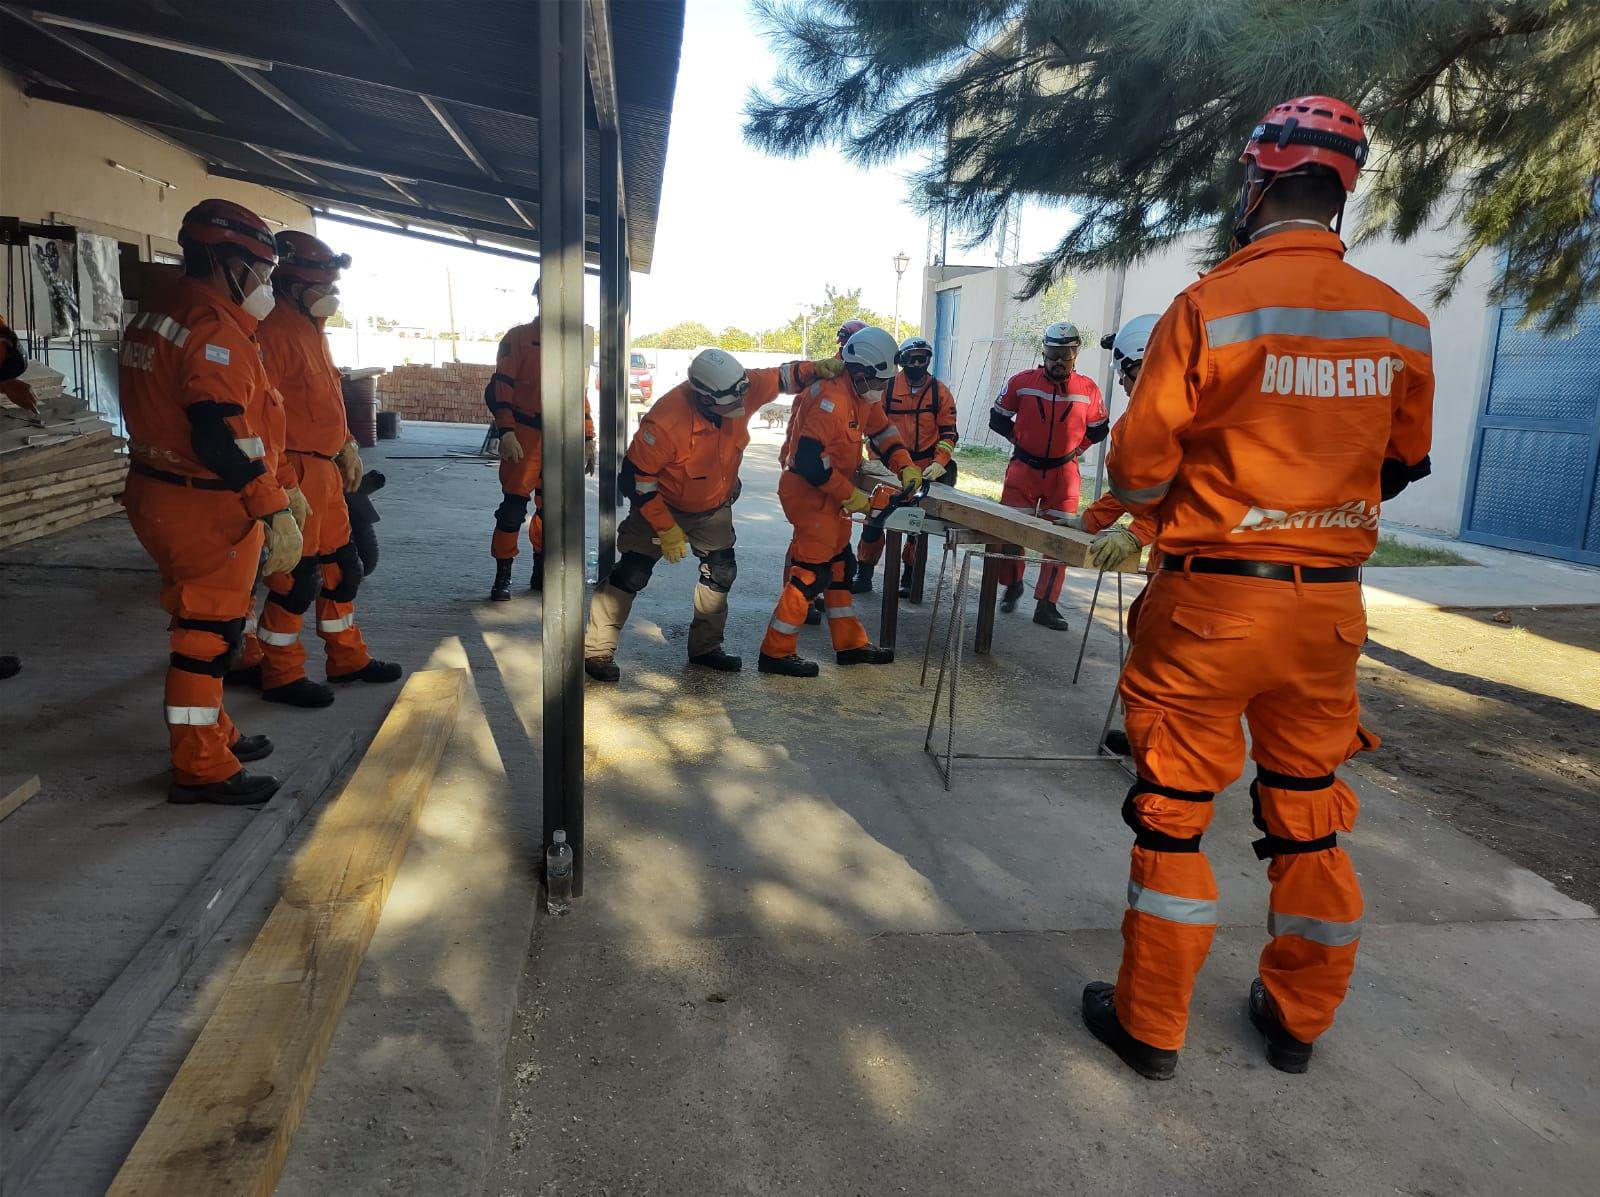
<point>1127,349</point>
<point>1062,333</point>
<point>872,350</point>
<point>718,377</point>
<point>915,345</point>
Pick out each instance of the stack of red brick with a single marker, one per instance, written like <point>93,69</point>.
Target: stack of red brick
<point>451,393</point>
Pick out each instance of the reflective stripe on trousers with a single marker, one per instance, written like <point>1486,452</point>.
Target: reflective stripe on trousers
<point>192,716</point>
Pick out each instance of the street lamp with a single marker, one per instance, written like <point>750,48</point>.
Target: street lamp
<point>900,264</point>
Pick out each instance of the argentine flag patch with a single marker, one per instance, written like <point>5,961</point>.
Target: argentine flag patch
<point>218,354</point>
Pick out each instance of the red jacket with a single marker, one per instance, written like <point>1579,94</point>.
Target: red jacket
<point>1048,422</point>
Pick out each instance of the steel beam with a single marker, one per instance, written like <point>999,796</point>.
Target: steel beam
<point>292,106</point>
<point>561,237</point>
<point>364,21</point>
<point>613,375</point>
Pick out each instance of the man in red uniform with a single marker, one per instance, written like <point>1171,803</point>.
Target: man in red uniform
<point>200,496</point>
<point>821,454</point>
<point>682,474</point>
<point>1283,397</point>
<point>924,411</point>
<point>516,402</point>
<point>324,462</point>
<point>1051,415</point>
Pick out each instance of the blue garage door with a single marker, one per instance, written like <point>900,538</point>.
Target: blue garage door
<point>1536,453</point>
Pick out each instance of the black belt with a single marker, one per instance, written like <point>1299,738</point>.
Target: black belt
<point>1270,570</point>
<point>1038,463</point>
<point>139,467</point>
<point>313,453</point>
<point>527,421</point>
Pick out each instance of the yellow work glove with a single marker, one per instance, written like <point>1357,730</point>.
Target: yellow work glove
<point>349,463</point>
<point>510,446</point>
<point>858,503</point>
<point>298,506</point>
<point>910,478</point>
<point>589,457</point>
<point>1113,548</point>
<point>933,473</point>
<point>674,544</point>
<point>284,543</point>
<point>828,367</point>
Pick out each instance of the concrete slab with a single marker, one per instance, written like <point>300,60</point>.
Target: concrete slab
<point>1498,578</point>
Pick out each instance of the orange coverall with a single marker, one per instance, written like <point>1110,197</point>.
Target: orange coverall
<point>926,417</point>
<point>295,352</point>
<point>821,454</point>
<point>515,400</point>
<point>1272,391</point>
<point>196,400</point>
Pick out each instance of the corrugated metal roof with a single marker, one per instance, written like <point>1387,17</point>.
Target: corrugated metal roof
<point>334,84</point>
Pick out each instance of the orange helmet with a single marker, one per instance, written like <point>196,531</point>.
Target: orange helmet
<point>303,258</point>
<point>1310,131</point>
<point>216,222</point>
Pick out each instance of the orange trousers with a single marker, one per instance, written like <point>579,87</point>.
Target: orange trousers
<point>1210,650</point>
<point>328,574</point>
<point>521,481</point>
<point>819,555</point>
<point>208,551</point>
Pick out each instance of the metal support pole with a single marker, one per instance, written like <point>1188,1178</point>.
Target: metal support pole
<point>613,375</point>
<point>561,216</point>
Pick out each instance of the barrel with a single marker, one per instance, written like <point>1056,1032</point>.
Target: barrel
<point>361,409</point>
<point>388,425</point>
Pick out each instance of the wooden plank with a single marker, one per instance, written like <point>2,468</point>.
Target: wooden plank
<point>1013,526</point>
<point>51,487</point>
<point>18,794</point>
<point>60,522</point>
<point>46,1106</point>
<point>100,465</point>
<point>226,1123</point>
<point>17,462</point>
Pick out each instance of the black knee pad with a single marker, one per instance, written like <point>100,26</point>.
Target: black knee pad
<point>512,511</point>
<point>718,569</point>
<point>348,559</point>
<point>820,580</point>
<point>871,535</point>
<point>305,583</point>
<point>631,574</point>
<point>232,633</point>
<point>1148,837</point>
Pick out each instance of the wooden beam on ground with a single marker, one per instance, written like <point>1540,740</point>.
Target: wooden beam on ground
<point>11,487</point>
<point>226,1122</point>
<point>1013,526</point>
<point>16,795</point>
<point>61,521</point>
<point>55,486</point>
<point>47,1105</point>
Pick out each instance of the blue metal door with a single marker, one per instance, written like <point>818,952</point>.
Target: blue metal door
<point>946,322</point>
<point>1536,450</point>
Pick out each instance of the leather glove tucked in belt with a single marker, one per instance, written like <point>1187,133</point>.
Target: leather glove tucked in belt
<point>349,463</point>
<point>299,507</point>
<point>510,446</point>
<point>284,543</point>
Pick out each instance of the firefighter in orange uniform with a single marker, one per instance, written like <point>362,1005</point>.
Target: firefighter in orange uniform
<point>1283,397</point>
<point>682,475</point>
<point>515,401</point>
<point>200,494</point>
<point>1051,415</point>
<point>323,461</point>
<point>821,454</point>
<point>924,411</point>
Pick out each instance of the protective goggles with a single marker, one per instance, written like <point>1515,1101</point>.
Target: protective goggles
<point>916,359</point>
<point>262,270</point>
<point>726,394</point>
<point>1060,353</point>
<point>337,262</point>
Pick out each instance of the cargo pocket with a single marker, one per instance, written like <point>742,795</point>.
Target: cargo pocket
<point>1353,630</point>
<point>1209,624</point>
<point>1147,734</point>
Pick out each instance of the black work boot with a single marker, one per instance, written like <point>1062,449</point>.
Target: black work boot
<point>867,654</point>
<point>302,692</point>
<point>814,614</point>
<point>1046,616</point>
<point>242,789</point>
<point>500,592</point>
<point>794,665</point>
<point>905,586</point>
<point>374,671</point>
<point>602,669</point>
<point>251,748</point>
<point>863,580</point>
<point>248,676</point>
<point>10,667</point>
<point>1284,1051</point>
<point>536,578</point>
<point>1100,1016</point>
<point>1116,742</point>
<point>1008,600</point>
<point>722,662</point>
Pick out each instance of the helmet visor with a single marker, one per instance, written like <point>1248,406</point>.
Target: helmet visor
<point>728,394</point>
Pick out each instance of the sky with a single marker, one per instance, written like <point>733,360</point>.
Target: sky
<point>743,238</point>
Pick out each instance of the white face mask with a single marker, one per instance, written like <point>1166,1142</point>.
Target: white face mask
<point>258,303</point>
<point>324,306</point>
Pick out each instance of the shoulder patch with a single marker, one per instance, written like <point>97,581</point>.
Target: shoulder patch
<point>646,435</point>
<point>218,354</point>
<point>827,405</point>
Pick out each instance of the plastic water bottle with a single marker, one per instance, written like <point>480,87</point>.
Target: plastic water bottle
<point>591,567</point>
<point>558,874</point>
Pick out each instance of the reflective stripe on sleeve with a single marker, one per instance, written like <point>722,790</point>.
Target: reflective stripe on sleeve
<point>785,377</point>
<point>343,624</point>
<point>1346,325</point>
<point>1143,494</point>
<point>645,487</point>
<point>1329,933</point>
<point>277,639</point>
<point>162,326</point>
<point>250,446</point>
<point>1197,911</point>
<point>192,716</point>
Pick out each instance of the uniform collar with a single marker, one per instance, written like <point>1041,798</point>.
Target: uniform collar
<point>1290,241</point>
<point>199,291</point>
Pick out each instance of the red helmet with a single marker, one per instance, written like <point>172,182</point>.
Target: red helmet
<point>1310,131</point>
<point>303,258</point>
<point>219,222</point>
<point>849,329</point>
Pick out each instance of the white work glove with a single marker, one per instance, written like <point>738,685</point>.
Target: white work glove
<point>1114,548</point>
<point>933,472</point>
<point>510,446</point>
<point>589,456</point>
<point>1074,522</point>
<point>284,543</point>
<point>349,462</point>
<point>299,506</point>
